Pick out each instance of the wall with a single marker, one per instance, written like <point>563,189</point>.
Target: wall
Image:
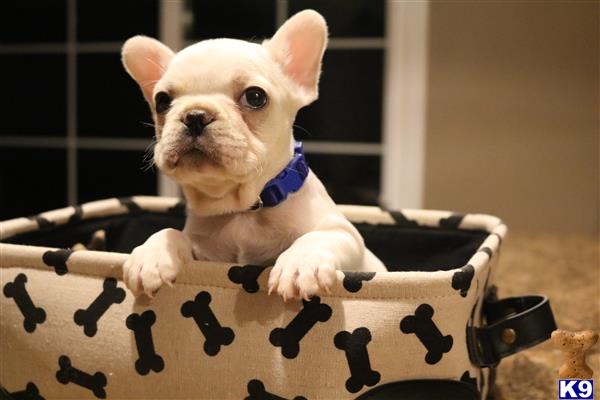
<point>512,120</point>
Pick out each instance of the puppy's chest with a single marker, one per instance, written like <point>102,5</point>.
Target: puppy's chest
<point>241,239</point>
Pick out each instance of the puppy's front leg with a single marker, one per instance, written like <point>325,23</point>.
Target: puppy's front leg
<point>310,263</point>
<point>157,261</point>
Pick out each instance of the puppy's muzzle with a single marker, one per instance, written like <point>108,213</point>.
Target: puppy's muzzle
<point>196,121</point>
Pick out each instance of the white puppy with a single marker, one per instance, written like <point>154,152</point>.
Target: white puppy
<point>224,111</point>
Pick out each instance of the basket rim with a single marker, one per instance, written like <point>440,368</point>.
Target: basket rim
<point>391,284</point>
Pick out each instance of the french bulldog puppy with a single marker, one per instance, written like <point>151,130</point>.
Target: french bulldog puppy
<point>223,111</point>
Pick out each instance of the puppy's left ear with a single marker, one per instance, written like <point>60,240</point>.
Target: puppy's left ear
<point>298,47</point>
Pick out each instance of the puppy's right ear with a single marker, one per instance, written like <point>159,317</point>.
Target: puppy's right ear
<point>146,60</point>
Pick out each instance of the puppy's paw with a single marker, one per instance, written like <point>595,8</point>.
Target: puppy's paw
<point>157,261</point>
<point>301,274</point>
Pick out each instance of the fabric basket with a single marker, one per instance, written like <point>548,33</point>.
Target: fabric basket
<point>431,328</point>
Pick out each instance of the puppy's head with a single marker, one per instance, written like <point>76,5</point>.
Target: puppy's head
<point>224,108</point>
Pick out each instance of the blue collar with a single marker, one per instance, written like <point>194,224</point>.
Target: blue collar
<point>288,181</point>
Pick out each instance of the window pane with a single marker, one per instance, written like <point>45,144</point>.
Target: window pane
<point>348,179</point>
<point>358,18</point>
<point>33,21</point>
<point>109,102</point>
<point>113,173</point>
<point>350,96</point>
<point>31,181</point>
<point>109,20</point>
<point>33,100</point>
<point>248,19</point>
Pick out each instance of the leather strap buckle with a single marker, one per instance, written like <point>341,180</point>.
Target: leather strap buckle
<point>513,324</point>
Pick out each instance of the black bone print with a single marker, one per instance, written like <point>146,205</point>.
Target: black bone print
<point>32,315</point>
<point>461,280</point>
<point>257,391</point>
<point>132,206</point>
<point>355,346</point>
<point>401,220</point>
<point>69,374</point>
<point>451,222</point>
<point>141,325</point>
<point>58,260</point>
<point>215,335</point>
<point>353,281</point>
<point>498,236</point>
<point>77,214</point>
<point>428,333</point>
<point>487,251</point>
<point>88,318</point>
<point>289,338</point>
<point>177,209</point>
<point>247,276</point>
<point>469,380</point>
<point>31,392</point>
<point>42,222</point>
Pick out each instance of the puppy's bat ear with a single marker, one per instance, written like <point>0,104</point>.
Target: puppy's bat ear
<point>146,60</point>
<point>298,47</point>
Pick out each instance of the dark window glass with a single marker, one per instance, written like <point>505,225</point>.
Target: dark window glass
<point>248,19</point>
<point>109,20</point>
<point>348,179</point>
<point>350,96</point>
<point>113,173</point>
<point>347,18</point>
<point>33,21</point>
<point>33,100</point>
<point>31,181</point>
<point>110,103</point>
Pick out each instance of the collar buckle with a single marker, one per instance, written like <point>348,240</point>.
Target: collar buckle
<point>257,206</point>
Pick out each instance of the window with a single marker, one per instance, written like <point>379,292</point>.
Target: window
<point>83,132</point>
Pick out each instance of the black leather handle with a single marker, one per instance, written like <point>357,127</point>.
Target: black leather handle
<point>422,389</point>
<point>513,324</point>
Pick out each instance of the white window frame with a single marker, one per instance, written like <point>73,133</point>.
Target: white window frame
<point>405,104</point>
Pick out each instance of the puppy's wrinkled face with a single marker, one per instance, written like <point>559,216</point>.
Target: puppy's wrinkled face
<point>221,109</point>
<point>224,108</point>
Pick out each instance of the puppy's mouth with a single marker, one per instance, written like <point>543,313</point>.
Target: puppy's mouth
<point>189,156</point>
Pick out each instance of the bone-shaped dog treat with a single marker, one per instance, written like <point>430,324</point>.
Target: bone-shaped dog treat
<point>88,318</point>
<point>215,335</point>
<point>256,391</point>
<point>428,333</point>
<point>69,374</point>
<point>461,280</point>
<point>289,338</point>
<point>355,346</point>
<point>247,276</point>
<point>31,392</point>
<point>33,315</point>
<point>141,325</point>
<point>574,346</point>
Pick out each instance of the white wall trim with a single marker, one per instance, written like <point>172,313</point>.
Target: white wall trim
<point>171,33</point>
<point>405,95</point>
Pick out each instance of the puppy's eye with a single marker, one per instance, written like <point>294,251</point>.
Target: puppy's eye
<point>162,101</point>
<point>254,97</point>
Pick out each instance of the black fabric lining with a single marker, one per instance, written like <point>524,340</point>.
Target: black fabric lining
<point>401,248</point>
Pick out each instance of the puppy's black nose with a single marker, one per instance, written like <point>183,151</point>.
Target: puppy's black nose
<point>196,120</point>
